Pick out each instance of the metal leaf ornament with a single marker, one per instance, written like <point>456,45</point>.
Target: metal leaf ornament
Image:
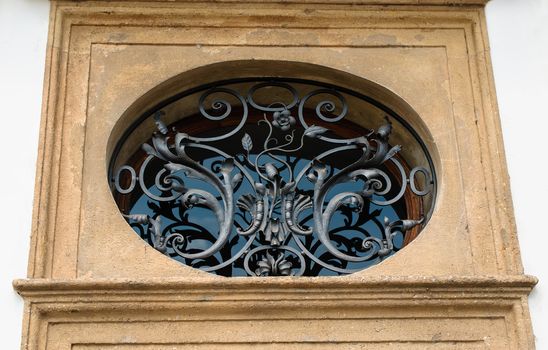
<point>247,143</point>
<point>314,131</point>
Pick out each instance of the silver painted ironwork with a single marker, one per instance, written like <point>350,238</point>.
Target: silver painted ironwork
<point>263,231</point>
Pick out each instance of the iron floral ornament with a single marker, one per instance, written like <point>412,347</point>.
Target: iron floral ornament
<point>272,197</point>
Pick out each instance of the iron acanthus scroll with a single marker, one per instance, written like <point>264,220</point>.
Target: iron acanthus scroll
<point>282,190</point>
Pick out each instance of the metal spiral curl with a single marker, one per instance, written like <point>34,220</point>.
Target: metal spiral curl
<point>219,105</point>
<point>325,105</point>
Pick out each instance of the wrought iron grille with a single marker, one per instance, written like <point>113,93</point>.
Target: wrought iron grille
<point>274,177</point>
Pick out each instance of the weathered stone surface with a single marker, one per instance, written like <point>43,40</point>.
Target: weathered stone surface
<point>93,284</point>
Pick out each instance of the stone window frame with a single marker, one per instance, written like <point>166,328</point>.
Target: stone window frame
<point>71,287</point>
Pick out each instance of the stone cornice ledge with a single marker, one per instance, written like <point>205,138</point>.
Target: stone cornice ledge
<point>521,284</point>
<point>324,2</point>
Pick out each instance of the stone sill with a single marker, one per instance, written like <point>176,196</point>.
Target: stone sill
<point>520,284</point>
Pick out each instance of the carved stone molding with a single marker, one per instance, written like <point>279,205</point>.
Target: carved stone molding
<point>387,313</point>
<point>93,284</point>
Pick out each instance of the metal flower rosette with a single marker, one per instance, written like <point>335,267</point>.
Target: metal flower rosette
<point>271,189</point>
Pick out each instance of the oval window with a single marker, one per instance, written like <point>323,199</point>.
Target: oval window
<point>274,177</point>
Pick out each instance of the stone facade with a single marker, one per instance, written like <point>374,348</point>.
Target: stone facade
<point>93,284</point>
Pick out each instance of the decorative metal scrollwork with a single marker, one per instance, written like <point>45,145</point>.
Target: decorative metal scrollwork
<point>279,195</point>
